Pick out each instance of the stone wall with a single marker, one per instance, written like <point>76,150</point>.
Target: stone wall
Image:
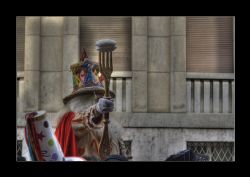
<point>139,65</point>
<point>159,64</point>
<point>156,144</point>
<point>51,46</point>
<point>32,63</point>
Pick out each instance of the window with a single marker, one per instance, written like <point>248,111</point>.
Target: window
<point>93,28</point>
<point>20,29</point>
<point>210,44</point>
<point>217,151</point>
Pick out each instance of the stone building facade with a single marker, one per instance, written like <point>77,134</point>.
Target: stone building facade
<point>162,106</point>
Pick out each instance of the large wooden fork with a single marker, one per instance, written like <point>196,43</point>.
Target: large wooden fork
<point>105,48</point>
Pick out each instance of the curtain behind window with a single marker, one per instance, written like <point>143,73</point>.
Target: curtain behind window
<point>210,44</point>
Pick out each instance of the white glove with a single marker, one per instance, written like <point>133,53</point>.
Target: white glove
<point>104,105</point>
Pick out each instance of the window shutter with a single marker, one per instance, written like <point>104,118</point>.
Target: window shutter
<point>20,29</point>
<point>210,44</point>
<point>114,27</point>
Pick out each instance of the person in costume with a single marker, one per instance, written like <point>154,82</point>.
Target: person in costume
<point>80,127</point>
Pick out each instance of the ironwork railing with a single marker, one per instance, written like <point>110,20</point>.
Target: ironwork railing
<point>217,151</point>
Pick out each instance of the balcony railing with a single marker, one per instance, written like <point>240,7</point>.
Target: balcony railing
<point>120,84</point>
<point>19,91</point>
<point>210,92</point>
<point>206,92</point>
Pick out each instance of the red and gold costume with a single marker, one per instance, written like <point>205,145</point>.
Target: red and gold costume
<point>79,134</point>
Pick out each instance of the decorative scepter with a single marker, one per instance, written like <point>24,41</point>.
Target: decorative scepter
<point>105,48</point>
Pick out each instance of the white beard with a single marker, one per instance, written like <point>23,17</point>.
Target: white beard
<point>77,104</point>
<point>81,103</point>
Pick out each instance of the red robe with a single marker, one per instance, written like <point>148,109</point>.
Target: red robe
<point>65,135</point>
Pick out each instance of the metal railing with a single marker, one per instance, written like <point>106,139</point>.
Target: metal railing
<point>217,151</point>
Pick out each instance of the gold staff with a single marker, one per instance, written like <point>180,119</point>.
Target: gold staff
<point>105,48</point>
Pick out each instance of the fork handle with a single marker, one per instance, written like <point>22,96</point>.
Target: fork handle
<point>104,146</point>
<point>106,115</point>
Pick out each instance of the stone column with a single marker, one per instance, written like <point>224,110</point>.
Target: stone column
<point>233,86</point>
<point>51,63</point>
<point>139,64</point>
<point>158,64</point>
<point>71,52</point>
<point>32,64</point>
<point>178,96</point>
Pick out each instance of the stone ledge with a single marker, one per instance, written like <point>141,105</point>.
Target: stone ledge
<point>159,120</point>
<point>20,74</point>
<point>192,75</point>
<point>121,74</point>
<point>177,120</point>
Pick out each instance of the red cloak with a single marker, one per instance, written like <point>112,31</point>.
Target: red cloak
<point>65,135</point>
